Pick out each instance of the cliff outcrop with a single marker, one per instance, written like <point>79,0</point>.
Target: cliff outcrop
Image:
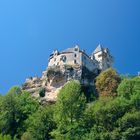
<point>51,81</point>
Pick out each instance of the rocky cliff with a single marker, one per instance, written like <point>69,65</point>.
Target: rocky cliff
<point>47,86</point>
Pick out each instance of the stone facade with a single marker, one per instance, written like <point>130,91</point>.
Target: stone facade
<point>64,66</point>
<point>99,60</point>
<point>103,56</point>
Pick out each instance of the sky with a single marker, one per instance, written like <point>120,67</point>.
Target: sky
<point>31,29</point>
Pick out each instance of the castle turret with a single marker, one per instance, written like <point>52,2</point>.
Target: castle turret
<point>103,57</point>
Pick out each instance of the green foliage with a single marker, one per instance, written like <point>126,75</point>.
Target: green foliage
<point>9,111</point>
<point>41,123</point>
<point>71,117</point>
<point>107,82</point>
<point>90,93</point>
<point>5,137</point>
<point>14,90</point>
<point>129,125</point>
<point>110,118</point>
<point>129,86</point>
<point>42,92</point>
<point>15,108</point>
<point>69,110</point>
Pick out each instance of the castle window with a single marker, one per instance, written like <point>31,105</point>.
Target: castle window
<point>75,55</point>
<point>76,49</point>
<point>74,61</point>
<point>54,59</point>
<point>100,55</point>
<point>108,65</point>
<point>64,58</point>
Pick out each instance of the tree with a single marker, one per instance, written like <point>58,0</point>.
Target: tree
<point>26,106</point>
<point>5,137</point>
<point>15,108</point>
<point>8,112</point>
<point>107,82</point>
<point>129,86</point>
<point>129,125</point>
<point>69,110</point>
<point>40,124</point>
<point>112,118</point>
<point>71,117</point>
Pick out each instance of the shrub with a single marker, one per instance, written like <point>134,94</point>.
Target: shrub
<point>27,136</point>
<point>107,82</point>
<point>5,137</point>
<point>42,92</point>
<point>129,86</point>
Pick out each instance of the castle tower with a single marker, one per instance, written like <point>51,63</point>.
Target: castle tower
<point>103,57</point>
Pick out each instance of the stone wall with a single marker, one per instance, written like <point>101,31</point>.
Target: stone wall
<point>70,58</point>
<point>89,63</point>
<point>73,58</point>
<point>104,59</point>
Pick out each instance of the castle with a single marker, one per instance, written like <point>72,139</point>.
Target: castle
<point>72,63</point>
<point>100,59</point>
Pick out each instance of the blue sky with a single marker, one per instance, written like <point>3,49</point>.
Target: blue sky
<point>31,29</point>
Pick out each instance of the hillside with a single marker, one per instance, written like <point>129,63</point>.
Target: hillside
<point>113,114</point>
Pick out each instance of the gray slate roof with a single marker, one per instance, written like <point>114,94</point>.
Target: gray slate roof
<point>69,50</point>
<point>98,49</point>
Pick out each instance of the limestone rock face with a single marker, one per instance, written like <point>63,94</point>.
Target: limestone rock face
<point>52,80</point>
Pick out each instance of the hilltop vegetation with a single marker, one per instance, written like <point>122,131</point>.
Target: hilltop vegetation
<point>112,115</point>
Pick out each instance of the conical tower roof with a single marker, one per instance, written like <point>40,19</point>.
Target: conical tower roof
<point>98,49</point>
